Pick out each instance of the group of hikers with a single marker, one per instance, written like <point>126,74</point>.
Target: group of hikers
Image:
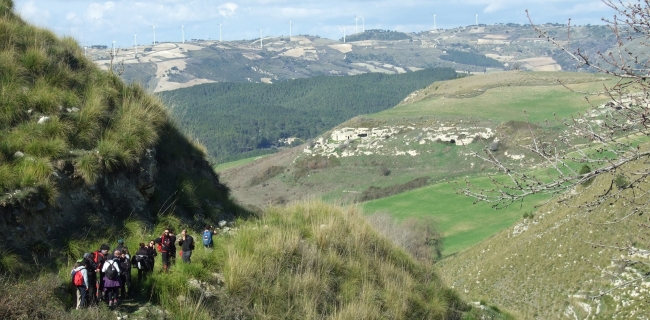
<point>105,275</point>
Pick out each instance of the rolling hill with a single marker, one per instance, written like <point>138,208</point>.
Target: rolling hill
<point>236,120</point>
<point>169,66</point>
<point>410,146</point>
<point>86,159</point>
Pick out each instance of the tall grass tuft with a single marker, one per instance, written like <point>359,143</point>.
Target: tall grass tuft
<point>87,166</point>
<point>10,262</point>
<point>35,60</point>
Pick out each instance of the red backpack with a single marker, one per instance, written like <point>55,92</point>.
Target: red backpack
<point>77,278</point>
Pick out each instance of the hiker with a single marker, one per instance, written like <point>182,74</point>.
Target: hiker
<point>164,246</point>
<point>187,245</point>
<point>111,271</point>
<point>120,245</point>
<point>99,258</point>
<point>152,254</point>
<point>207,237</point>
<point>141,261</point>
<point>90,265</point>
<point>79,277</point>
<point>125,274</point>
<point>172,248</point>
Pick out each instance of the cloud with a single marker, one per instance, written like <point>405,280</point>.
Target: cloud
<point>228,9</point>
<point>36,14</point>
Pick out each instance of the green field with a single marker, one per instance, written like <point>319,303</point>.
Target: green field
<point>503,104</point>
<point>233,164</point>
<point>463,224</point>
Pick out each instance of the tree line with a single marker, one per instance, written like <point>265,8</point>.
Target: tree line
<point>237,120</point>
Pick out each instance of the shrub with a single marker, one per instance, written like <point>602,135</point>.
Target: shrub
<point>621,181</point>
<point>584,170</point>
<point>373,193</point>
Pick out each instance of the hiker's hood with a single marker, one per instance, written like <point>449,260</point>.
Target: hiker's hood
<point>79,268</point>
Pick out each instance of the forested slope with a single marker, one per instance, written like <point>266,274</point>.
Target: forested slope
<point>236,120</point>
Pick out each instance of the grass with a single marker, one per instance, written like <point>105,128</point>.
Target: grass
<point>234,164</point>
<point>310,260</point>
<point>503,103</point>
<point>462,223</point>
<point>544,270</point>
<point>57,105</point>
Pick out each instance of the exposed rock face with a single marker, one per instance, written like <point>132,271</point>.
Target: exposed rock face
<point>80,207</point>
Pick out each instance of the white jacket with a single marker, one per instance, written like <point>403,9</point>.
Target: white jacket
<point>115,263</point>
<point>84,273</point>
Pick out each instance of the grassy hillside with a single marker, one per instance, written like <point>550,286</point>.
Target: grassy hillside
<point>237,120</point>
<point>56,105</point>
<point>463,223</point>
<point>550,265</point>
<point>68,126</point>
<point>494,101</point>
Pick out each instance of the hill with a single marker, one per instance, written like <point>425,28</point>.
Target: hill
<point>555,262</point>
<point>424,141</point>
<point>169,66</point>
<point>86,159</point>
<point>414,139</point>
<point>236,120</point>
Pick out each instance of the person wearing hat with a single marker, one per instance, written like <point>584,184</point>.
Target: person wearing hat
<point>120,245</point>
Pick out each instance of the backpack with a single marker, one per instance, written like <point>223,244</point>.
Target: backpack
<point>96,257</point>
<point>207,237</point>
<point>189,238</point>
<point>111,272</point>
<point>77,278</point>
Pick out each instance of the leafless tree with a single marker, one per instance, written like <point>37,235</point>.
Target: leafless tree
<point>609,140</point>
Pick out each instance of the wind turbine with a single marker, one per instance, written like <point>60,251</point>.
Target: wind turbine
<point>154,34</point>
<point>434,23</point>
<point>261,40</point>
<point>289,30</point>
<point>477,20</point>
<point>114,48</point>
<point>85,50</point>
<point>356,24</point>
<point>183,32</point>
<point>343,33</point>
<point>135,44</point>
<point>220,33</point>
<point>363,24</point>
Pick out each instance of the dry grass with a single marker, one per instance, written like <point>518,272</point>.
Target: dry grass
<point>312,260</point>
<point>544,271</point>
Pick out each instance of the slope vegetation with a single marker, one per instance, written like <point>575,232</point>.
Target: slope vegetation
<point>88,160</point>
<point>236,120</point>
<point>552,264</point>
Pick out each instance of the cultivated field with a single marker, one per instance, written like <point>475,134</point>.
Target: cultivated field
<point>463,223</point>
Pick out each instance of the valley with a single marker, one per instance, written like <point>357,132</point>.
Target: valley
<point>478,172</point>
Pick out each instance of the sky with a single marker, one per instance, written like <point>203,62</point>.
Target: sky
<point>101,22</point>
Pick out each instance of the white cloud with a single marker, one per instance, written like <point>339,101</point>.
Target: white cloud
<point>228,9</point>
<point>34,13</point>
